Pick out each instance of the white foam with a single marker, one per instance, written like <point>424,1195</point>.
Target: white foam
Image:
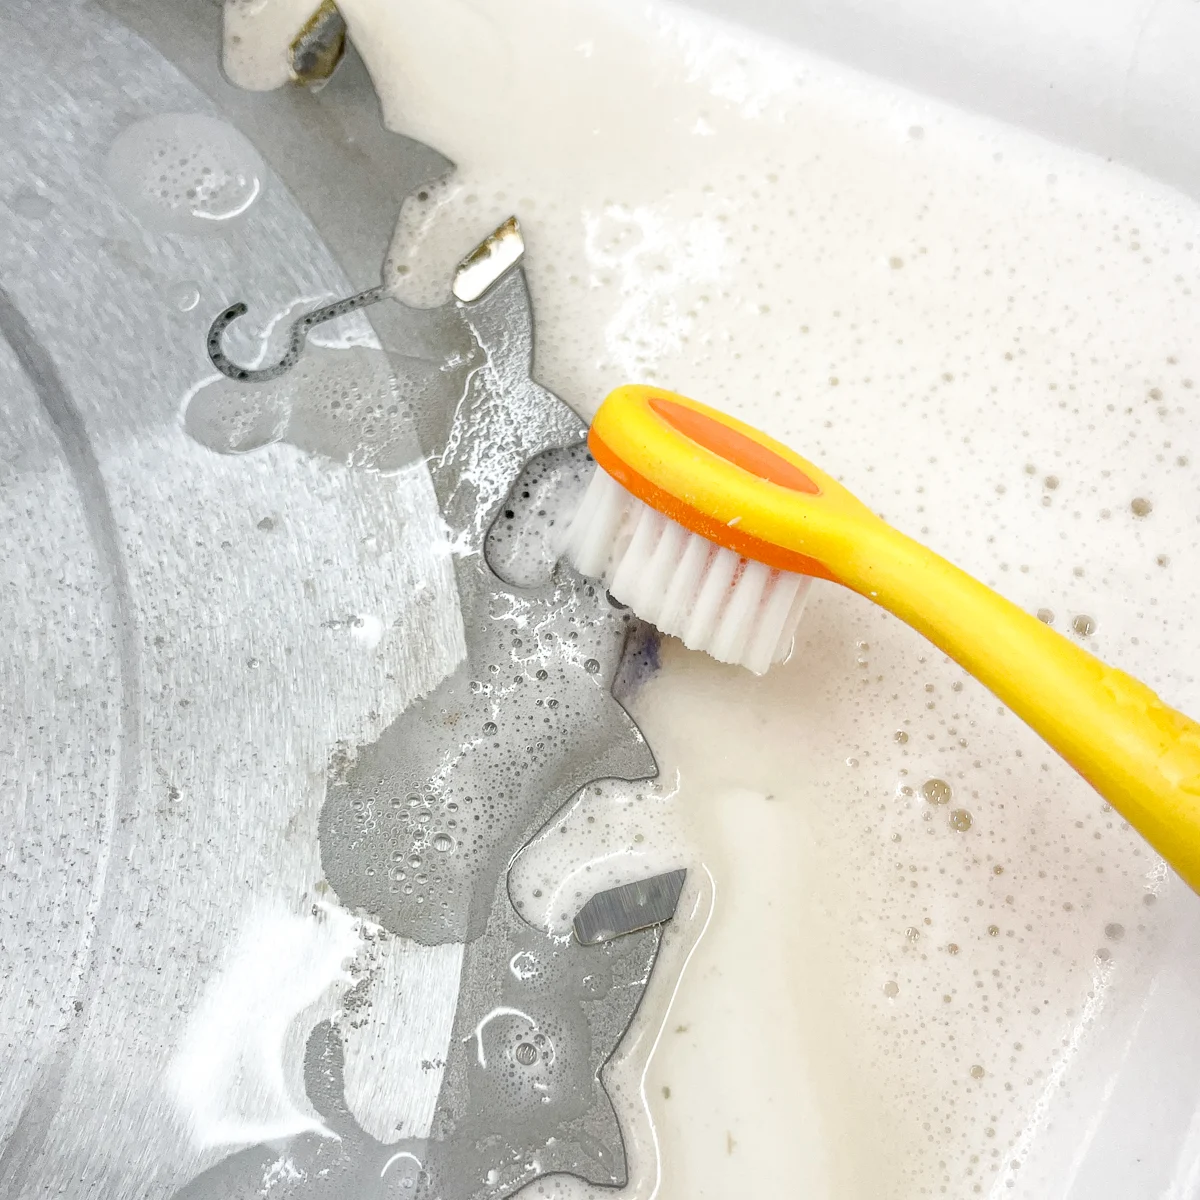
<point>257,39</point>
<point>234,1075</point>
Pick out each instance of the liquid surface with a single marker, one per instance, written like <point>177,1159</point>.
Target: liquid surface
<point>184,173</point>
<point>925,927</point>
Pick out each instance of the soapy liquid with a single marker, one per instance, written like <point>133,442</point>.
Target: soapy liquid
<point>992,341</point>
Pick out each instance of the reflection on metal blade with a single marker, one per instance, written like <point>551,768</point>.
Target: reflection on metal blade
<point>497,253</point>
<point>319,46</point>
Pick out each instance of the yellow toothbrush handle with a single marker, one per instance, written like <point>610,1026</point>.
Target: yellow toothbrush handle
<point>734,485</point>
<point>1142,756</point>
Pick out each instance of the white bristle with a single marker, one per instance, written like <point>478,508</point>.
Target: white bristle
<point>774,626</point>
<point>697,553</point>
<point>741,612</point>
<point>628,572</point>
<point>662,568</point>
<point>593,533</point>
<point>737,610</point>
<point>709,600</point>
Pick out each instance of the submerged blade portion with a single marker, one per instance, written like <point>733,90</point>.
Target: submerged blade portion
<point>629,908</point>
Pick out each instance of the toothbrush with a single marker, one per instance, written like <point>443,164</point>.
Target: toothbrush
<point>712,531</point>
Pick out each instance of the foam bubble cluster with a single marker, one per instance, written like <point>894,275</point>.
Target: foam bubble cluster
<point>185,172</point>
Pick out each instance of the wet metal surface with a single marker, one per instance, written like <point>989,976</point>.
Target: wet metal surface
<point>476,274</point>
<point>298,335</point>
<point>279,725</point>
<point>419,827</point>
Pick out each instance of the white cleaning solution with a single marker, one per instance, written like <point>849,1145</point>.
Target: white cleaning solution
<point>921,915</point>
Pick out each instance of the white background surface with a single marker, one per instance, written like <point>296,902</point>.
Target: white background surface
<point>1117,77</point>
